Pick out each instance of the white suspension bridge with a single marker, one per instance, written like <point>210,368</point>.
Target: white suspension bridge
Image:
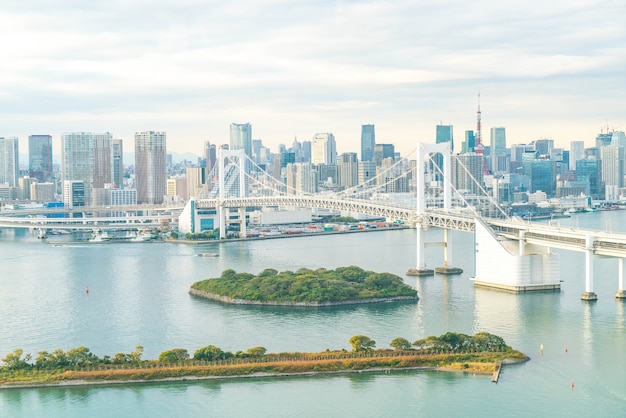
<point>522,250</point>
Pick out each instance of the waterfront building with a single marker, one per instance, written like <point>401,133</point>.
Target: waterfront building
<point>40,157</point>
<point>590,170</point>
<point>118,164</point>
<point>368,141</point>
<point>73,193</point>
<point>348,169</point>
<point>150,167</point>
<point>42,192</point>
<point>497,144</point>
<point>443,133</point>
<point>612,157</point>
<point>324,149</point>
<point>544,147</point>
<point>577,152</point>
<point>9,161</point>
<point>543,176</point>
<point>24,185</point>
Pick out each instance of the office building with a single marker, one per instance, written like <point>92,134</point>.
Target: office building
<point>73,193</point>
<point>102,160</point>
<point>543,176</point>
<point>42,192</point>
<point>497,150</point>
<point>467,172</point>
<point>577,152</point>
<point>40,157</point>
<point>367,172</point>
<point>324,149</point>
<point>9,161</point>
<point>469,143</point>
<point>612,157</point>
<point>368,141</point>
<point>382,151</point>
<point>444,134</point>
<point>590,170</point>
<point>150,167</point>
<point>241,138</point>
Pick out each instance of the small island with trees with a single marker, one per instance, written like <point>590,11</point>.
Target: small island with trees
<point>482,353</point>
<point>305,287</point>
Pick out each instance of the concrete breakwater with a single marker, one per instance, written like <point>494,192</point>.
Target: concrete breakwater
<point>235,301</point>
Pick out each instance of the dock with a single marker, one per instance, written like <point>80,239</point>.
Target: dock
<point>496,373</point>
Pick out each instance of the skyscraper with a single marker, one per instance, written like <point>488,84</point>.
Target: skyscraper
<point>577,152</point>
<point>102,160</point>
<point>40,157</point>
<point>368,141</point>
<point>324,149</point>
<point>118,164</point>
<point>77,163</point>
<point>150,167</point>
<point>241,137</point>
<point>348,169</point>
<point>9,161</point>
<point>497,144</point>
<point>444,134</point>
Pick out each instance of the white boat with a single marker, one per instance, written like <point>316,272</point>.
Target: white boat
<point>208,255</point>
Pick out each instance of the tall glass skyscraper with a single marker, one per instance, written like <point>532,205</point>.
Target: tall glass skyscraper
<point>368,141</point>
<point>324,149</point>
<point>9,161</point>
<point>40,157</point>
<point>444,134</point>
<point>150,167</point>
<point>497,144</point>
<point>241,137</point>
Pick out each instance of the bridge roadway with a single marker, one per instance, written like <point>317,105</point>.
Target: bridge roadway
<point>576,239</point>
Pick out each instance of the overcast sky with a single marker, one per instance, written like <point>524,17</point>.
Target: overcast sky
<point>292,68</point>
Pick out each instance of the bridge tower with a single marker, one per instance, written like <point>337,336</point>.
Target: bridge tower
<point>235,159</point>
<point>423,153</point>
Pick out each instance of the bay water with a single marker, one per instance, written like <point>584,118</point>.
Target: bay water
<point>138,295</point>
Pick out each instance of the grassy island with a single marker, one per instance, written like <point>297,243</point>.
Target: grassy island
<point>480,353</point>
<point>321,287</point>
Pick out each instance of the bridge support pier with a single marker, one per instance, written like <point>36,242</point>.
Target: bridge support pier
<point>589,294</point>
<point>221,214</point>
<point>447,269</point>
<point>242,225</point>
<point>621,292</point>
<point>421,269</point>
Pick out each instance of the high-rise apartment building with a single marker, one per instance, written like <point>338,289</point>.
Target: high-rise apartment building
<point>118,164</point>
<point>102,160</point>
<point>324,149</point>
<point>368,141</point>
<point>40,157</point>
<point>367,171</point>
<point>612,157</point>
<point>497,144</point>
<point>85,157</point>
<point>150,167</point>
<point>467,172</point>
<point>444,134</point>
<point>9,161</point>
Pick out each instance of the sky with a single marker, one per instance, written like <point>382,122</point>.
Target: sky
<point>292,68</point>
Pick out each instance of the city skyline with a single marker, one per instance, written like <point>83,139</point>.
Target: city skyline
<point>192,68</point>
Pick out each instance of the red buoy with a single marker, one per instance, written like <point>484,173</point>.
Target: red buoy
<point>87,289</point>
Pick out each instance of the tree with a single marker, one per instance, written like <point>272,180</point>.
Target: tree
<point>256,351</point>
<point>80,357</point>
<point>400,343</point>
<point>362,343</point>
<point>208,353</point>
<point>15,361</point>
<point>174,355</point>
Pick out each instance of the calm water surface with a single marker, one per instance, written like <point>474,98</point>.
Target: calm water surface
<point>138,295</point>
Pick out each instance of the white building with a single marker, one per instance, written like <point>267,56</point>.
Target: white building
<point>9,161</point>
<point>324,149</point>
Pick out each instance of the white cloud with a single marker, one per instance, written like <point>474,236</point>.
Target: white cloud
<point>190,67</point>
